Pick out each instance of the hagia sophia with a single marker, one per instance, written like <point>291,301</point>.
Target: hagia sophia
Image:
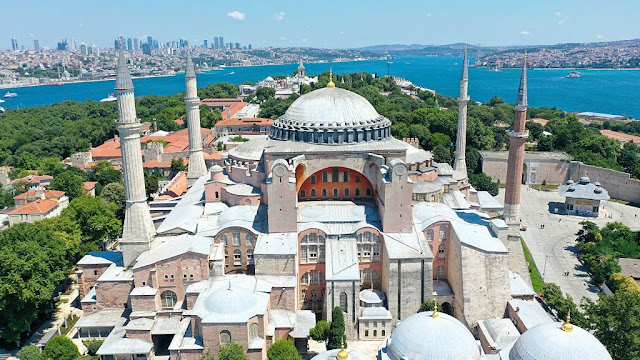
<point>330,210</point>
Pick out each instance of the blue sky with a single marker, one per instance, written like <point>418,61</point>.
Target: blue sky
<point>327,23</point>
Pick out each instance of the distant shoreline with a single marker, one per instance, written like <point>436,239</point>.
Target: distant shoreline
<point>560,68</point>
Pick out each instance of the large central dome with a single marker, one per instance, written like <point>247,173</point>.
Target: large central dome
<point>331,115</point>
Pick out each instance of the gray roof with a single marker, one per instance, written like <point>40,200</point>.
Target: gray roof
<point>521,100</point>
<point>305,321</point>
<point>140,324</point>
<point>488,202</point>
<point>411,245</point>
<point>116,274</point>
<point>102,258</point>
<point>341,262</point>
<point>583,189</point>
<point>374,296</point>
<point>375,313</point>
<point>630,267</point>
<point>185,215</point>
<point>143,291</point>
<point>190,71</point>
<point>336,212</point>
<point>549,341</point>
<point>427,187</point>
<point>102,319</point>
<point>455,200</point>
<point>242,190</point>
<point>90,297</point>
<point>500,333</point>
<point>277,244</point>
<point>123,77</point>
<point>518,286</point>
<point>441,287</point>
<point>530,312</point>
<point>117,344</point>
<point>165,325</point>
<point>166,247</point>
<point>528,155</point>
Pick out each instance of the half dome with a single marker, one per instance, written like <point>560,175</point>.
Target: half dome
<point>331,116</point>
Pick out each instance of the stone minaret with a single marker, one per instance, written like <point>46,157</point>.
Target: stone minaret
<point>461,138</point>
<point>197,167</point>
<point>138,229</point>
<point>517,137</point>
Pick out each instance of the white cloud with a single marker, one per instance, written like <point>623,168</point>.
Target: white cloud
<point>279,16</point>
<point>283,38</point>
<point>305,40</point>
<point>237,15</point>
<point>524,33</point>
<point>31,35</point>
<point>341,32</point>
<point>428,14</point>
<point>557,14</point>
<point>560,22</point>
<point>600,37</point>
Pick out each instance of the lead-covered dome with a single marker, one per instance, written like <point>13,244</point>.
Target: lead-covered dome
<point>550,341</point>
<point>423,336</point>
<point>331,115</point>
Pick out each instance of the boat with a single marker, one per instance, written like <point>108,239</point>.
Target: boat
<point>1,101</point>
<point>109,98</point>
<point>495,69</point>
<point>10,94</point>
<point>231,73</point>
<point>2,110</point>
<point>574,74</point>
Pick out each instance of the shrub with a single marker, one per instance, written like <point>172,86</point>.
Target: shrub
<point>30,352</point>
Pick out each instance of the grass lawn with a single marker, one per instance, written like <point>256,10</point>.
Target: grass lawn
<point>536,279</point>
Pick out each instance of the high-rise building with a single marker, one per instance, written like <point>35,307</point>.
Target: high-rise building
<point>129,44</point>
<point>14,44</point>
<point>206,44</point>
<point>73,45</point>
<point>138,229</point>
<point>221,42</point>
<point>517,138</point>
<point>249,46</point>
<point>461,138</point>
<point>215,42</point>
<point>136,44</point>
<point>146,49</point>
<point>36,45</point>
<point>62,45</point>
<point>83,49</point>
<point>150,40</point>
<point>237,45</point>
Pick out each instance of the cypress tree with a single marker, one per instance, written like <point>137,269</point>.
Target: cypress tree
<point>336,330</point>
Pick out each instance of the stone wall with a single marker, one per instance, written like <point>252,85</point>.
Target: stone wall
<point>619,184</point>
<point>89,276</point>
<point>268,264</point>
<point>113,295</point>
<point>534,171</point>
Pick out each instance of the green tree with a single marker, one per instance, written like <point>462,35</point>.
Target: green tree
<point>51,166</point>
<point>482,182</point>
<point>27,161</point>
<point>265,93</point>
<point>177,165</point>
<point>428,305</point>
<point>545,143</point>
<point>336,329</point>
<point>6,198</point>
<point>232,352</point>
<point>104,173</point>
<point>96,219</point>
<point>93,346</point>
<point>30,352</point>
<point>283,350</point>
<point>321,331</point>
<point>114,193</point>
<point>535,130</point>
<point>208,117</point>
<point>562,304</point>
<point>472,160</point>
<point>60,348</point>
<point>615,321</point>
<point>495,101</point>
<point>151,181</point>
<point>69,182</point>
<point>442,154</point>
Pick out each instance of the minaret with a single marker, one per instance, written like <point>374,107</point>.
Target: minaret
<point>461,138</point>
<point>138,229</point>
<point>517,137</point>
<point>197,167</point>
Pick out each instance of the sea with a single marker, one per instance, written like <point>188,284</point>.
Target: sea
<point>604,91</point>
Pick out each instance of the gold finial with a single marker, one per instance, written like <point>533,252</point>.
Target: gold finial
<point>342,354</point>
<point>567,325</point>
<point>435,311</point>
<point>330,84</point>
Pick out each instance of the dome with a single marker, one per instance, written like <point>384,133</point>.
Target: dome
<point>424,337</point>
<point>584,180</point>
<point>333,355</point>
<point>550,341</point>
<point>331,115</point>
<point>229,300</point>
<point>369,296</point>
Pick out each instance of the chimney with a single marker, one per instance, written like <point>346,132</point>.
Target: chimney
<point>155,125</point>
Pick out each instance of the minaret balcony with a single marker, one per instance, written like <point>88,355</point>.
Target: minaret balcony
<point>518,134</point>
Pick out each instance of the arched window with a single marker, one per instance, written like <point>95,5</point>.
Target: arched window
<point>375,333</point>
<point>250,239</point>
<point>441,251</point>
<point>368,247</point>
<point>430,235</point>
<point>325,176</point>
<point>366,333</point>
<point>225,337</point>
<point>384,333</point>
<point>345,176</point>
<point>253,331</point>
<point>357,178</point>
<point>347,192</point>
<point>313,192</point>
<point>305,279</point>
<point>343,301</point>
<point>357,192</point>
<point>237,257</point>
<point>217,197</point>
<point>235,235</point>
<point>324,192</point>
<point>368,191</point>
<point>303,193</point>
<point>443,232</point>
<point>313,179</point>
<point>335,192</point>
<point>440,272</point>
<point>314,294</point>
<point>169,299</point>
<point>250,257</point>
<point>223,239</point>
<point>304,295</point>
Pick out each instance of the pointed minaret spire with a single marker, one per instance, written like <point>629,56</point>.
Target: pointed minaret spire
<point>459,162</point>
<point>517,137</point>
<point>197,167</point>
<point>138,229</point>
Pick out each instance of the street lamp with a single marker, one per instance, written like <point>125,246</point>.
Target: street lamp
<point>544,269</point>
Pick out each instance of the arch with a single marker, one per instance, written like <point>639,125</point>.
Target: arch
<point>247,201</point>
<point>366,333</point>
<point>225,337</point>
<point>357,192</point>
<point>253,331</point>
<point>430,235</point>
<point>441,251</point>
<point>303,193</point>
<point>336,192</point>
<point>375,332</point>
<point>442,236</point>
<point>324,192</point>
<point>168,299</point>
<point>223,239</point>
<point>342,182</point>
<point>343,301</point>
<point>447,308</point>
<point>347,193</point>
<point>313,192</point>
<point>217,195</point>
<point>300,175</point>
<point>368,191</point>
<point>384,333</point>
<point>237,257</point>
<point>250,239</point>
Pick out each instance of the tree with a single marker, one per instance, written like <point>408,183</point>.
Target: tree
<point>51,166</point>
<point>96,219</point>
<point>472,160</point>
<point>428,305</point>
<point>615,321</point>
<point>495,101</point>
<point>30,352</point>
<point>441,154</point>
<point>232,352</point>
<point>27,161</point>
<point>336,329</point>
<point>69,182</point>
<point>151,181</point>
<point>6,198</point>
<point>556,300</point>
<point>283,350</point>
<point>535,130</point>
<point>93,346</point>
<point>60,348</point>
<point>208,117</point>
<point>482,182</point>
<point>545,143</point>
<point>265,93</point>
<point>321,331</point>
<point>114,193</point>
<point>177,165</point>
<point>104,173</point>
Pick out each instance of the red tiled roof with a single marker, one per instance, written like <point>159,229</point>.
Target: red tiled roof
<point>232,110</point>
<point>620,136</point>
<point>215,156</point>
<point>35,207</point>
<point>179,121</point>
<point>244,121</point>
<point>177,187</point>
<point>540,121</point>
<point>109,149</point>
<point>89,185</point>
<point>94,163</point>
<point>155,164</point>
<point>220,101</point>
<point>32,179</point>
<point>48,194</point>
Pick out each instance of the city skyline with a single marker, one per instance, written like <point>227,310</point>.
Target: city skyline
<point>334,25</point>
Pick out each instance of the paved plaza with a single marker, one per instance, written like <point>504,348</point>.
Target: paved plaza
<point>553,248</point>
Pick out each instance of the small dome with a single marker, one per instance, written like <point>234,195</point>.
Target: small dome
<point>569,182</point>
<point>216,168</point>
<point>424,337</point>
<point>597,183</point>
<point>550,341</point>
<point>369,296</point>
<point>335,353</point>
<point>584,180</point>
<point>229,300</point>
